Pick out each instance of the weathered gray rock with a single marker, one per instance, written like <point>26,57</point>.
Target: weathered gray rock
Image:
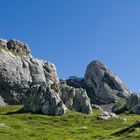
<point>19,73</point>
<point>118,108</point>
<point>136,109</point>
<point>75,99</point>
<point>3,43</point>
<point>18,46</point>
<point>104,86</point>
<point>133,100</point>
<point>2,103</point>
<point>94,106</point>
<point>15,46</point>
<point>107,107</point>
<point>35,84</point>
<point>45,100</point>
<point>133,103</point>
<point>107,115</point>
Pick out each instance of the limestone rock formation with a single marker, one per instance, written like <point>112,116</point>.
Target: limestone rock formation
<point>133,103</point>
<point>18,73</point>
<point>45,100</point>
<point>34,83</point>
<point>15,46</point>
<point>103,85</point>
<point>48,100</point>
<point>75,99</point>
<point>118,108</point>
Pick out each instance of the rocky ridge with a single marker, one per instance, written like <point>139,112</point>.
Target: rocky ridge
<point>133,103</point>
<point>35,84</point>
<point>15,46</point>
<point>105,85</point>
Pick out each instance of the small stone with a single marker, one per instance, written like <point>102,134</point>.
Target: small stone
<point>107,115</point>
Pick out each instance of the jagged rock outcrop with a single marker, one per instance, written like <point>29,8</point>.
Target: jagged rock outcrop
<point>15,46</point>
<point>133,103</point>
<point>18,73</point>
<point>119,108</point>
<point>75,99</point>
<point>103,85</point>
<point>34,83</point>
<point>45,100</point>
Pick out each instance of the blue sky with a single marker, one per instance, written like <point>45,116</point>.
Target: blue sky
<point>72,33</point>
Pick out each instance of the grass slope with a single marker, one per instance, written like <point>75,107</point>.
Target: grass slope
<point>71,126</point>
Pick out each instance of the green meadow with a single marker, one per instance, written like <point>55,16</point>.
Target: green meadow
<point>15,125</point>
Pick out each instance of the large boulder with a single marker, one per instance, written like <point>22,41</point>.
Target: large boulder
<point>45,100</point>
<point>35,84</point>
<point>119,108</point>
<point>75,99</point>
<point>53,100</point>
<point>104,87</point>
<point>133,103</point>
<point>18,73</point>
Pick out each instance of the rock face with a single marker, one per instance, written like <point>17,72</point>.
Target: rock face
<point>45,100</point>
<point>103,85</point>
<point>50,101</point>
<point>118,108</point>
<point>18,73</point>
<point>75,99</point>
<point>133,103</point>
<point>15,46</point>
<point>34,83</point>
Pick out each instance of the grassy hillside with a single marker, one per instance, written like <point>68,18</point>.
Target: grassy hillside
<point>71,126</point>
